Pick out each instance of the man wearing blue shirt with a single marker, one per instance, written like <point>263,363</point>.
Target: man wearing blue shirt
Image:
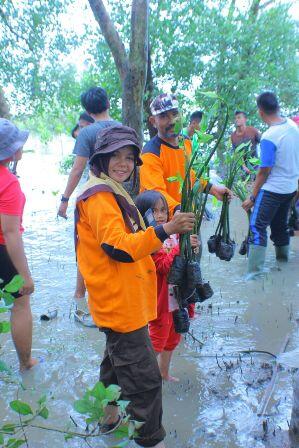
<point>275,185</point>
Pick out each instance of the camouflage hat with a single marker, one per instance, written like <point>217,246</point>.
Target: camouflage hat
<point>163,103</point>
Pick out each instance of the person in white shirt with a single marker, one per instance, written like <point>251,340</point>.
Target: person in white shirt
<point>275,185</point>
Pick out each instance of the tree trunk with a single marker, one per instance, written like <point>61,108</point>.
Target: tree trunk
<point>132,67</point>
<point>149,96</point>
<point>4,108</point>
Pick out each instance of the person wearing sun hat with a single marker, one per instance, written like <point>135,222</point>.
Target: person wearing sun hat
<point>12,256</point>
<point>114,250</point>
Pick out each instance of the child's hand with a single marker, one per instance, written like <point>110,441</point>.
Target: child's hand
<point>195,243</point>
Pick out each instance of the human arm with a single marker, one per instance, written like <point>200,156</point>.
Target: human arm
<point>268,155</point>
<point>260,179</point>
<point>73,180</point>
<point>10,226</point>
<point>163,259</point>
<point>109,229</point>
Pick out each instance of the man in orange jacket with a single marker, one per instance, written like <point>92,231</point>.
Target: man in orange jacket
<point>162,158</point>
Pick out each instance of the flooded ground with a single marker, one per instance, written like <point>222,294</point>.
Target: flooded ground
<point>216,403</point>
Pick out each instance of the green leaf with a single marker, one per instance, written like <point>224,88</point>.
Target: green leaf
<point>3,310</point>
<point>1,439</point>
<point>177,127</point>
<point>113,392</point>
<point>173,179</point>
<point>68,436</point>
<point>9,428</point>
<point>42,400</point>
<point>204,138</point>
<point>20,407</point>
<point>254,161</point>
<point>215,202</point>
<point>15,284</point>
<point>8,298</point>
<point>122,404</point>
<point>242,146</point>
<point>44,413</point>
<point>83,406</point>
<point>137,424</point>
<point>99,391</point>
<point>131,430</point>
<point>15,443</point>
<point>4,327</point>
<point>121,444</point>
<point>208,94</point>
<point>121,432</point>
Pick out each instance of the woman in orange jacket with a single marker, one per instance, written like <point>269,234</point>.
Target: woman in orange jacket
<point>113,252</point>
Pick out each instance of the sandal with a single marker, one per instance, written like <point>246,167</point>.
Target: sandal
<point>84,318</point>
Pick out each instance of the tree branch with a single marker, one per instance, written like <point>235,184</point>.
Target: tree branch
<point>11,29</point>
<point>111,35</point>
<point>254,9</point>
<point>266,4</point>
<point>139,34</point>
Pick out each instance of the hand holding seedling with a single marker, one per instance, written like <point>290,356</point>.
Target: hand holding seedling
<point>247,204</point>
<point>219,191</point>
<point>180,223</point>
<point>195,243</point>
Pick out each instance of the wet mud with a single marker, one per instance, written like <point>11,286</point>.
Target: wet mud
<point>215,405</point>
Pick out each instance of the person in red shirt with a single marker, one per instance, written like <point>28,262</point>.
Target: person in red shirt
<point>161,330</point>
<point>12,256</point>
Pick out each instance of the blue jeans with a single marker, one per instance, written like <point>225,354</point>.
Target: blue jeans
<point>270,209</point>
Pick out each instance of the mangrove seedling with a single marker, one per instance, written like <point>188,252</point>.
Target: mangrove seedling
<point>185,272</point>
<point>240,190</point>
<point>221,243</point>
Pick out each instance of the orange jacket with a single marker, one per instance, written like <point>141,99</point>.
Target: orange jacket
<point>116,265</point>
<point>162,160</point>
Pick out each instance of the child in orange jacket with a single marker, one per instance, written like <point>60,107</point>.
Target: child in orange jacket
<point>154,209</point>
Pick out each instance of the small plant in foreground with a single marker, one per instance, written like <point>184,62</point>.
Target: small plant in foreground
<point>92,405</point>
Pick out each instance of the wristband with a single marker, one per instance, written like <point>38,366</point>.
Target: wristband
<point>252,198</point>
<point>64,199</point>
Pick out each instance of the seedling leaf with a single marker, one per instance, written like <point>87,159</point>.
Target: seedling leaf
<point>4,327</point>
<point>15,443</point>
<point>15,284</point>
<point>99,391</point>
<point>113,392</point>
<point>44,413</point>
<point>20,407</point>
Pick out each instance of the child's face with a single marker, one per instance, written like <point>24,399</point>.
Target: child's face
<point>122,164</point>
<point>160,212</point>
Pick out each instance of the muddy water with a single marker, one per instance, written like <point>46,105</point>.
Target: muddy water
<point>215,404</point>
